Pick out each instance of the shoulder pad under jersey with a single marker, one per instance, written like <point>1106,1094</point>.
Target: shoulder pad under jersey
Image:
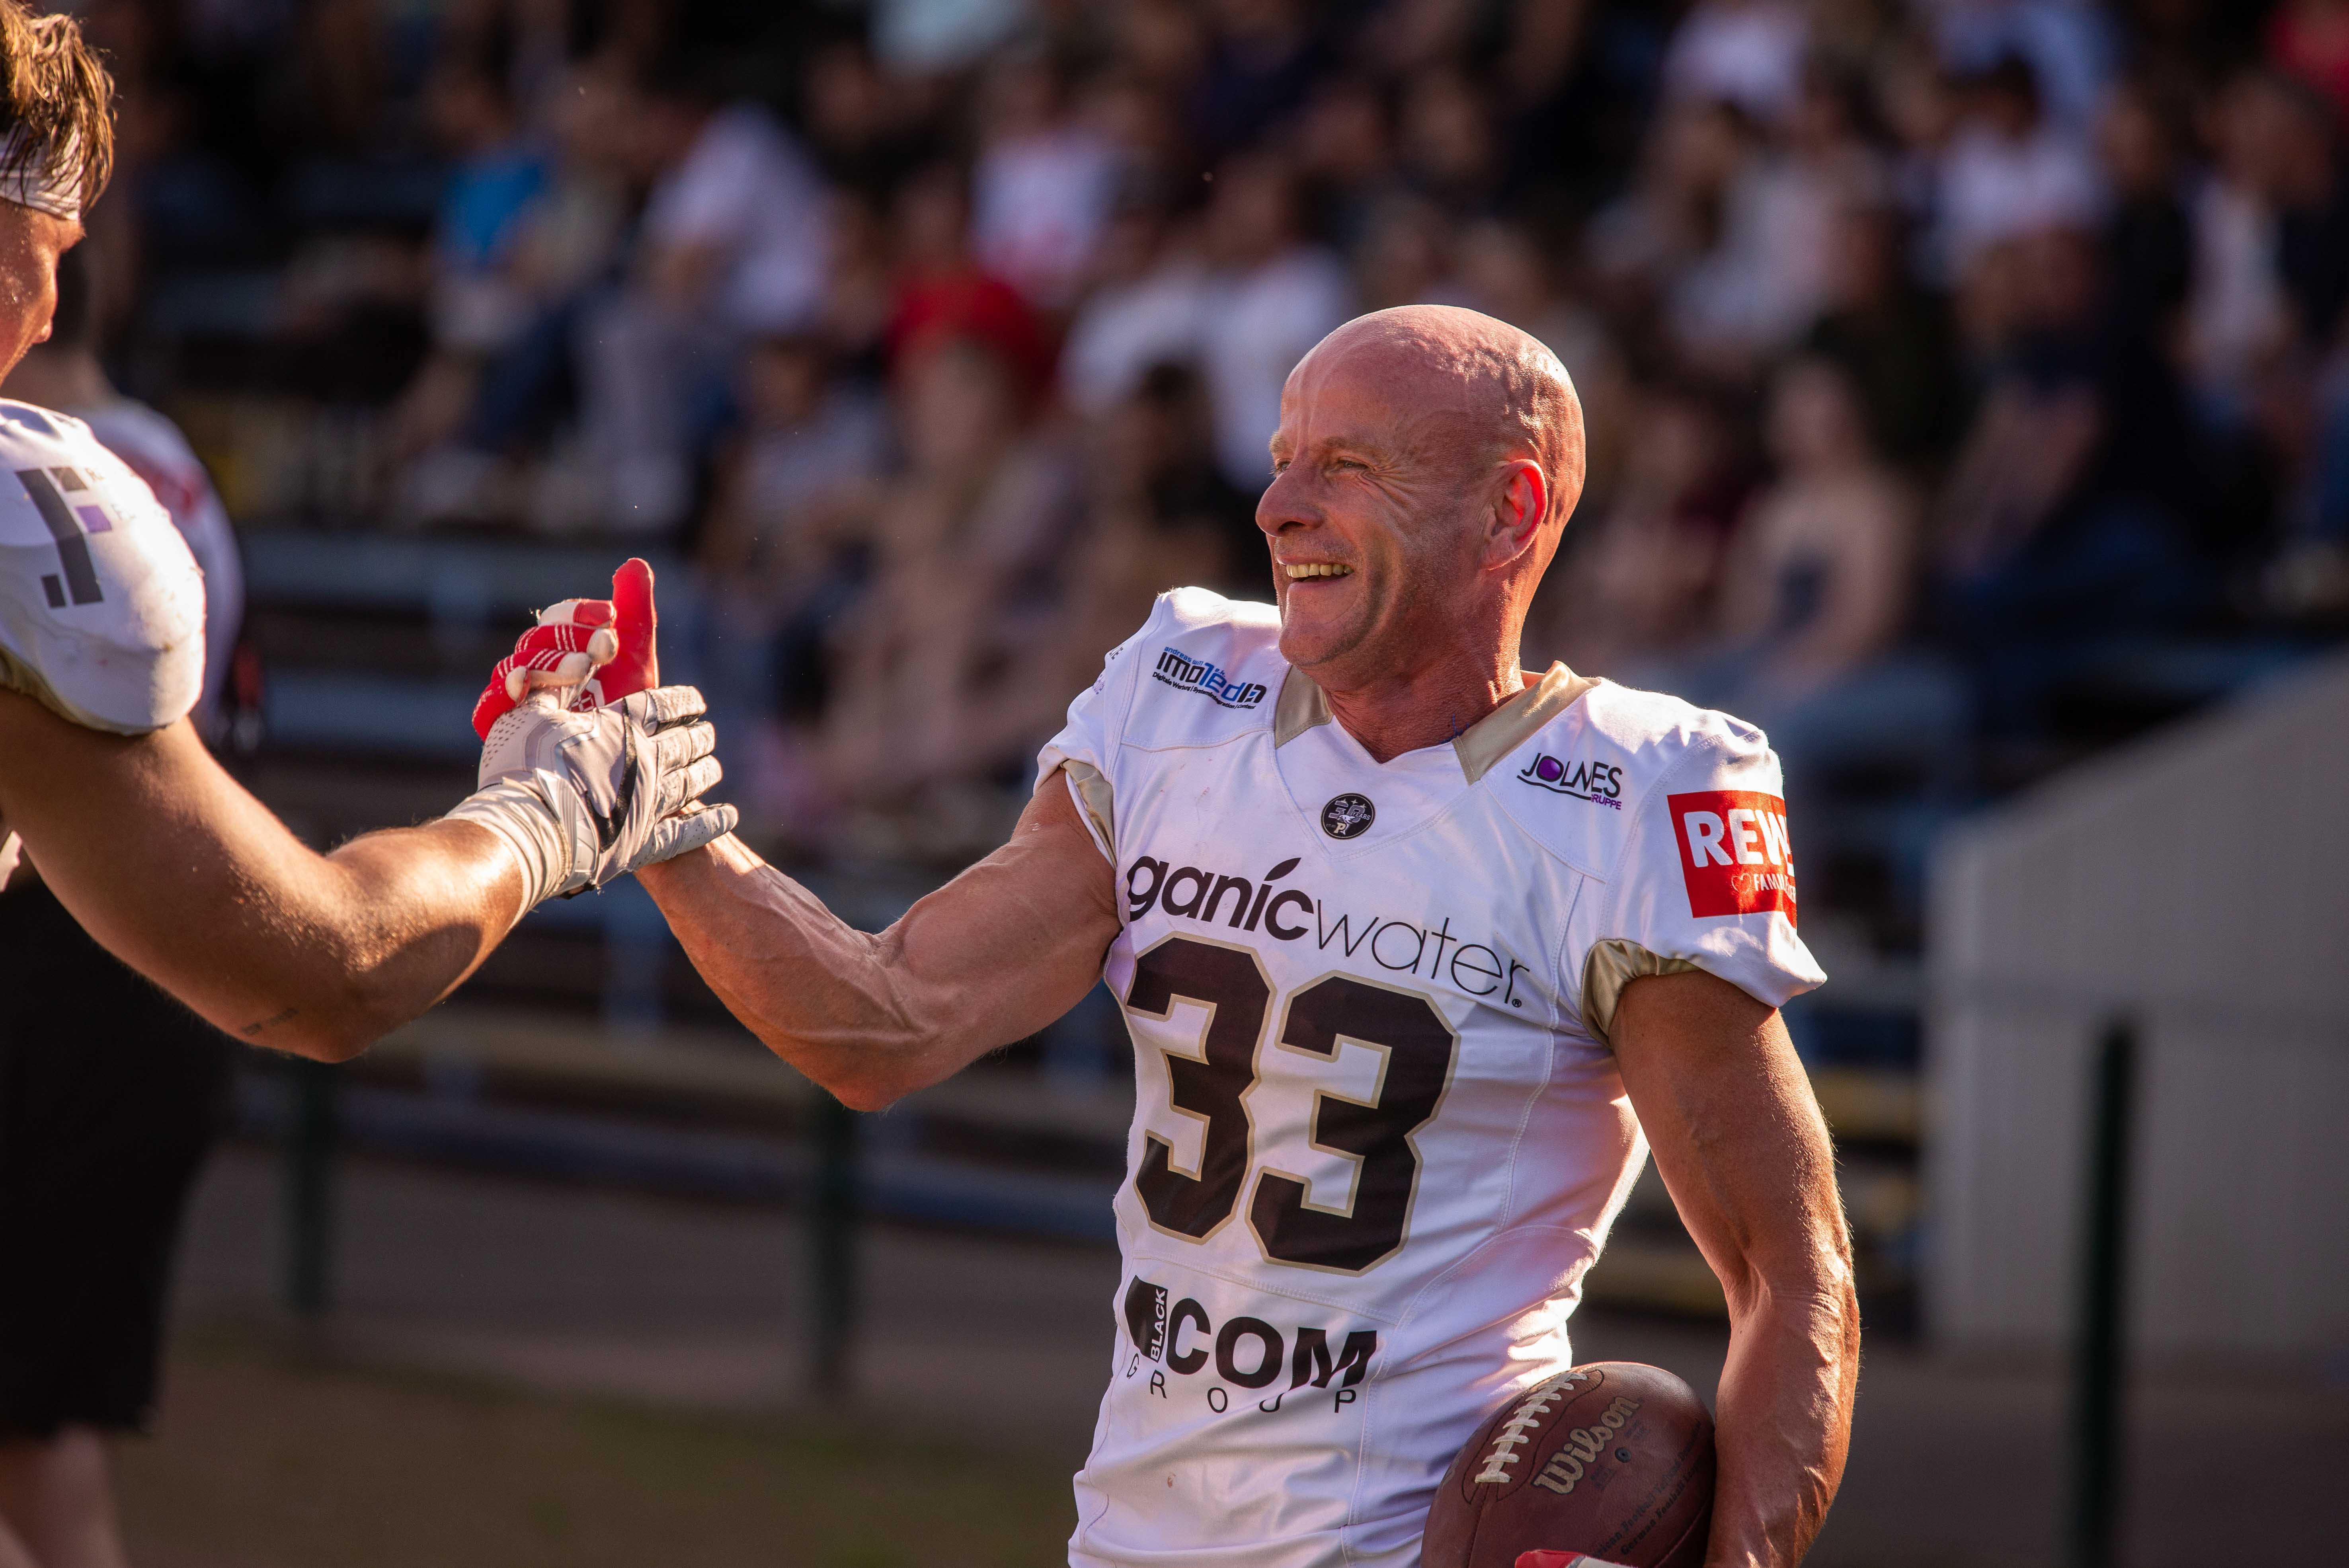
<point>1582,783</point>
<point>101,605</point>
<point>1207,668</point>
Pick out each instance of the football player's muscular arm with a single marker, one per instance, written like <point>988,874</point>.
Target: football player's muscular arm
<point>1740,1143</point>
<point>179,871</point>
<point>993,956</point>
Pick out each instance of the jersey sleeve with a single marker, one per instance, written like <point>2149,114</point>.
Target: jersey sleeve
<point>152,447</point>
<point>1706,881</point>
<point>1085,751</point>
<point>101,604</point>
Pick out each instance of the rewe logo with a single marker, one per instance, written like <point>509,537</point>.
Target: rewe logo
<point>1188,674</point>
<point>1600,783</point>
<point>1734,853</point>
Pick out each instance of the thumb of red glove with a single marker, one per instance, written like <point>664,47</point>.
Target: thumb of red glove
<point>636,667</point>
<point>1559,1560</point>
<point>601,649</point>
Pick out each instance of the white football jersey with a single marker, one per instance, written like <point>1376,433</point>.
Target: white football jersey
<point>1378,1137</point>
<point>153,448</point>
<point>101,605</point>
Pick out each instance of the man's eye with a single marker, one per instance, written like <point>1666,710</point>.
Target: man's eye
<point>1279,467</point>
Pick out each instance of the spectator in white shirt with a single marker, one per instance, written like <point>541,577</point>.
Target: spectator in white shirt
<point>2069,44</point>
<point>1272,297</point>
<point>2238,314</point>
<point>1044,186</point>
<point>2011,171</point>
<point>1746,52</point>
<point>1767,279</point>
<point>733,245</point>
<point>1146,310</point>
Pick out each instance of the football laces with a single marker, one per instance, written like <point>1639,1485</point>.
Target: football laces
<point>1518,1430</point>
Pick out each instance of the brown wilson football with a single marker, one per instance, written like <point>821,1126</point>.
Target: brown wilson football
<point>1614,1459</point>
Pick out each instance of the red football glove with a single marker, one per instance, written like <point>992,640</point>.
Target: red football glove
<point>598,650</point>
<point>1561,1560</point>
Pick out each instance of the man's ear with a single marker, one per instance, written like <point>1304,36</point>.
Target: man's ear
<point>1520,507</point>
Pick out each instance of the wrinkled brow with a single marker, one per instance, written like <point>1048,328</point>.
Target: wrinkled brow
<point>1388,448</point>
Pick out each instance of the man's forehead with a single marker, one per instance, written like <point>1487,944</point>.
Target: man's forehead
<point>1356,357</point>
<point>1376,392</point>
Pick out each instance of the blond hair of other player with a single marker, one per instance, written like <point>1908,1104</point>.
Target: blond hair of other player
<point>1417,947</point>
<point>104,786</point>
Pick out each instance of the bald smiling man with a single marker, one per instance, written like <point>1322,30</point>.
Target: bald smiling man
<point>1422,953</point>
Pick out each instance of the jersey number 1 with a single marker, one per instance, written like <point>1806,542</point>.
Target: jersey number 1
<point>1418,1044</point>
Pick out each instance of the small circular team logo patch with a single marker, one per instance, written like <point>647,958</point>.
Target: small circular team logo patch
<point>1347,816</point>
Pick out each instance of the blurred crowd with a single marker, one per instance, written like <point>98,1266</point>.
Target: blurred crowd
<point>1957,371</point>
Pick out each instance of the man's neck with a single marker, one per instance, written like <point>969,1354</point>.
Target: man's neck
<point>1425,706</point>
<point>60,379</point>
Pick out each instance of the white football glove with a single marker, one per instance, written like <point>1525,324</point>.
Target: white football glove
<point>584,798</point>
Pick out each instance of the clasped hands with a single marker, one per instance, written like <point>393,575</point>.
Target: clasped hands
<point>591,769</point>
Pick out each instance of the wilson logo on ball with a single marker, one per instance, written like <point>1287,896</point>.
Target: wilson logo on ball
<point>1613,1459</point>
<point>1583,1447</point>
<point>1735,854</point>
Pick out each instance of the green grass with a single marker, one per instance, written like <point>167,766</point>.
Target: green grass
<point>266,1458</point>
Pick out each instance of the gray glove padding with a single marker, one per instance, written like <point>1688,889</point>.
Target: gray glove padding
<point>585,798</point>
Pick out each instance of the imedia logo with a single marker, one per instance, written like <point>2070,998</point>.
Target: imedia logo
<point>1187,674</point>
<point>1248,1352</point>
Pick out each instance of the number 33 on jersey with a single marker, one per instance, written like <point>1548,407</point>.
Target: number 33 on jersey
<point>1379,1134</point>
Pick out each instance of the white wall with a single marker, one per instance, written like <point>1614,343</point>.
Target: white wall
<point>2197,882</point>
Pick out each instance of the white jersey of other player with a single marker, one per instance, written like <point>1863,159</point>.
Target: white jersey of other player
<point>1378,1137</point>
<point>158,454</point>
<point>101,605</point>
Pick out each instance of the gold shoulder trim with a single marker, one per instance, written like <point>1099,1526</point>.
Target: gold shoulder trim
<point>1613,963</point>
<point>1094,795</point>
<point>1299,707</point>
<point>1507,727</point>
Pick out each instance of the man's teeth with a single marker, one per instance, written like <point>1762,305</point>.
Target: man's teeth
<point>1318,569</point>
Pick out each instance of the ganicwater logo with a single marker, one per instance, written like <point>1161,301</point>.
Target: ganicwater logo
<point>1584,1446</point>
<point>1187,674</point>
<point>1479,969</point>
<point>1248,1352</point>
<point>1734,853</point>
<point>1600,783</point>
